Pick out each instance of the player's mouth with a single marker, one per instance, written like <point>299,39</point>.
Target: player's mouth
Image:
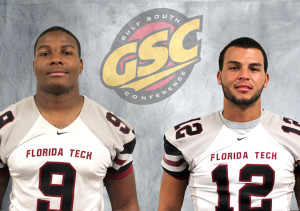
<point>57,72</point>
<point>243,87</point>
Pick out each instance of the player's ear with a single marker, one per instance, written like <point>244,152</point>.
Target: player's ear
<point>219,77</point>
<point>267,78</point>
<point>33,67</point>
<point>81,66</point>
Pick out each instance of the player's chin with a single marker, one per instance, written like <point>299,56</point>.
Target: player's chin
<point>245,101</point>
<point>58,88</point>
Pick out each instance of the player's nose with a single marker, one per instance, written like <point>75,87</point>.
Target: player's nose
<point>56,59</point>
<point>244,74</point>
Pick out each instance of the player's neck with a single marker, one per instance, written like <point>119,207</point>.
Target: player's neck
<point>238,113</point>
<point>64,103</point>
<point>59,110</point>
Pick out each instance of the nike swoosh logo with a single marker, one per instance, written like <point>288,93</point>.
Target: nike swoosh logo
<point>58,133</point>
<point>239,139</point>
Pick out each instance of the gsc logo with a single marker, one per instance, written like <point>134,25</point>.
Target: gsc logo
<point>152,56</point>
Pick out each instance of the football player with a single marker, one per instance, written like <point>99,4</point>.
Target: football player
<point>240,158</point>
<point>60,148</point>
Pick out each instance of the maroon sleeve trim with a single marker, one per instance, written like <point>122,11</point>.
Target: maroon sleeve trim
<point>120,175</point>
<point>174,163</point>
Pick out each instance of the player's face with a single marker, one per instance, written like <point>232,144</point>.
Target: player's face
<point>57,64</point>
<point>243,77</point>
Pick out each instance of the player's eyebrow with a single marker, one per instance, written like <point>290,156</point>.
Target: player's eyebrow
<point>238,63</point>
<point>255,64</point>
<point>47,46</point>
<point>67,46</point>
<point>233,62</point>
<point>43,46</point>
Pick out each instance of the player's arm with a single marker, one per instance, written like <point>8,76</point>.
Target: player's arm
<point>172,191</point>
<point>122,193</point>
<point>4,178</point>
<point>174,179</point>
<point>120,181</point>
<point>297,185</point>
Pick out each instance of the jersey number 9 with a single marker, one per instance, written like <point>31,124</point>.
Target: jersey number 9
<point>64,190</point>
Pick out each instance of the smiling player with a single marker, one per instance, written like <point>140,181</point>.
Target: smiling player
<point>240,158</point>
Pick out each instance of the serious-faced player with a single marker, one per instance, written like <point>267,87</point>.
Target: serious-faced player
<point>59,147</point>
<point>241,158</point>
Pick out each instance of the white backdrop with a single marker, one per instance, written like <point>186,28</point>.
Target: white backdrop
<point>96,23</point>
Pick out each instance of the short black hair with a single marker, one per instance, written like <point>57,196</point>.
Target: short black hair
<point>243,42</point>
<point>58,28</point>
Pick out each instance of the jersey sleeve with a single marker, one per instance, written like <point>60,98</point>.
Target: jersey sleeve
<point>286,131</point>
<point>115,134</point>
<point>6,119</point>
<point>122,164</point>
<point>297,171</point>
<point>188,140</point>
<point>173,162</point>
<point>15,122</point>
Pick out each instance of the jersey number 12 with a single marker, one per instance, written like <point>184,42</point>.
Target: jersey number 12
<point>220,176</point>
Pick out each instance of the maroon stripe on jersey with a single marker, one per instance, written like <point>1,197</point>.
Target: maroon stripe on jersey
<point>120,175</point>
<point>174,163</point>
<point>119,161</point>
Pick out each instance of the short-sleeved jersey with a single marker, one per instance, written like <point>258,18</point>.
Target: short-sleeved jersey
<point>228,171</point>
<point>63,169</point>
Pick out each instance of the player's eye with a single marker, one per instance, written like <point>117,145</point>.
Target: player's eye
<point>67,53</point>
<point>233,68</point>
<point>44,53</point>
<point>254,69</point>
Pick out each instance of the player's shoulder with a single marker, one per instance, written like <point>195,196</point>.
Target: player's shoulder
<point>93,106</point>
<point>278,124</point>
<point>284,130</point>
<point>197,128</point>
<point>15,121</point>
<point>193,137</point>
<point>112,130</point>
<point>17,111</point>
<point>93,110</point>
<point>18,106</point>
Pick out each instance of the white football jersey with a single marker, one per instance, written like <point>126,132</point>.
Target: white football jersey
<point>232,172</point>
<point>63,169</point>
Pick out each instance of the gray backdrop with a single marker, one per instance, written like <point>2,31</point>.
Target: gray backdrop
<point>275,24</point>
